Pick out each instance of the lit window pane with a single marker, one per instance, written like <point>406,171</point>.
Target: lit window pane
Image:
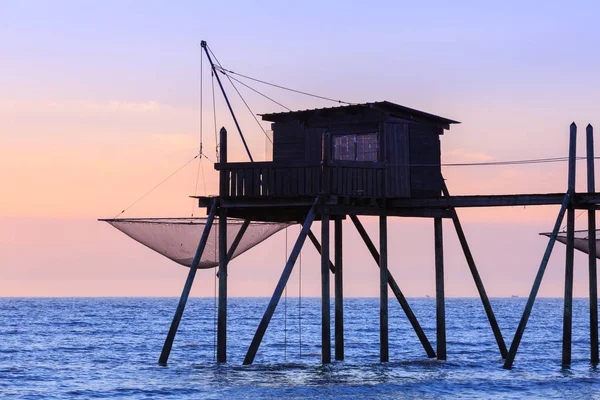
<point>344,147</point>
<point>367,147</point>
<point>356,147</point>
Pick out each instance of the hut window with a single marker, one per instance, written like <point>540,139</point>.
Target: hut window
<point>356,147</point>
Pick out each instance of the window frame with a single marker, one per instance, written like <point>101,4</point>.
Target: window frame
<point>355,134</point>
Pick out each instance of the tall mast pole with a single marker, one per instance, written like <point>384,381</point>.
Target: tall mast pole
<point>212,65</point>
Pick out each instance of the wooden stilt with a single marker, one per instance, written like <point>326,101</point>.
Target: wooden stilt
<point>514,346</point>
<point>384,355</point>
<point>568,305</point>
<point>591,186</point>
<point>317,245</point>
<point>395,289</point>
<point>166,350</point>
<point>285,275</point>
<point>339,291</point>
<point>325,295</point>
<point>439,290</point>
<point>222,308</point>
<point>475,273</point>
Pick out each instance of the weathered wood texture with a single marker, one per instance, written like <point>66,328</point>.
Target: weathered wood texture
<point>313,144</point>
<point>593,282</point>
<point>294,179</point>
<point>568,303</point>
<point>425,170</point>
<point>288,141</point>
<point>325,294</point>
<point>384,352</point>
<point>222,308</point>
<point>339,291</point>
<point>579,200</point>
<point>396,148</point>
<point>440,308</point>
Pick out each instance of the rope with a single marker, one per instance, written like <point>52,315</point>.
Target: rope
<point>248,107</point>
<point>154,188</point>
<point>494,163</point>
<point>256,91</point>
<point>285,88</point>
<point>577,216</point>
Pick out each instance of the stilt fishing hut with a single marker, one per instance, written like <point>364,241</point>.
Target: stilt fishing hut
<point>329,164</point>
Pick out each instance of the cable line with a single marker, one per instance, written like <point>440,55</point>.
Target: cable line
<point>248,107</point>
<point>219,68</point>
<point>256,91</point>
<point>286,88</point>
<point>154,188</point>
<point>494,163</point>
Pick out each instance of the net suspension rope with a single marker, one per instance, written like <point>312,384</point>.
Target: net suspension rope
<point>219,67</point>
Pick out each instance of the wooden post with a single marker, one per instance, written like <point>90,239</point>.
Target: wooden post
<point>395,289</point>
<point>339,291</point>
<point>317,245</point>
<point>223,170</point>
<point>166,350</point>
<point>591,186</point>
<point>285,276</point>
<point>514,346</point>
<point>568,306</point>
<point>325,295</point>
<point>222,307</point>
<point>475,273</point>
<point>384,355</point>
<point>440,309</point>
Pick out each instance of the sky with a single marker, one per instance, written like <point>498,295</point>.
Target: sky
<point>100,101</point>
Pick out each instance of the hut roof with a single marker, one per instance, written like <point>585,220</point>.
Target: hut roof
<point>396,110</point>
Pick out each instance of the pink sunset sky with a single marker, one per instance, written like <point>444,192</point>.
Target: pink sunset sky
<point>100,102</point>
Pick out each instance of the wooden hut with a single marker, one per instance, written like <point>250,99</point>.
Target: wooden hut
<point>372,150</point>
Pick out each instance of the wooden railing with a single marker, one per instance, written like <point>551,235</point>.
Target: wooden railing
<point>276,179</point>
<point>355,180</point>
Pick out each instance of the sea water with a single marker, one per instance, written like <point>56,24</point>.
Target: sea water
<point>56,348</point>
